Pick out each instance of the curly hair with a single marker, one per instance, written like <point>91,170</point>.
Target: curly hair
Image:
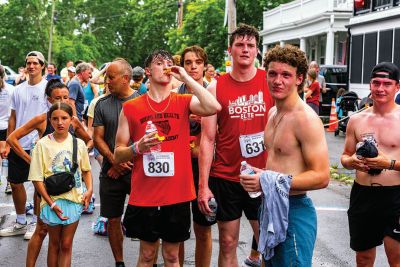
<point>290,55</point>
<point>242,31</point>
<point>157,54</point>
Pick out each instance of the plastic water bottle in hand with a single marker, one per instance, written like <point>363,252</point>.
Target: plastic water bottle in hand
<point>247,169</point>
<point>212,203</point>
<point>150,128</point>
<point>4,168</point>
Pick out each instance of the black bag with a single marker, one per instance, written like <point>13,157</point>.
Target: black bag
<point>63,182</point>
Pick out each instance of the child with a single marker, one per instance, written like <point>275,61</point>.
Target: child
<point>53,154</point>
<point>339,96</point>
<point>313,91</point>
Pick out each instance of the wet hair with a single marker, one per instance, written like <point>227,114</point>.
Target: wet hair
<point>242,31</point>
<point>54,84</point>
<point>157,54</point>
<point>197,50</point>
<point>126,68</point>
<point>61,106</point>
<point>290,55</point>
<point>2,75</point>
<point>313,74</point>
<point>82,67</point>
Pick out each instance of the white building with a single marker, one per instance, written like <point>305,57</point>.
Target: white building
<point>375,37</point>
<point>316,26</point>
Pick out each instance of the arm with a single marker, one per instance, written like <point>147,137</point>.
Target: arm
<point>349,159</point>
<point>94,90</point>
<point>123,152</point>
<point>206,154</point>
<point>314,150</point>
<point>204,104</point>
<point>73,106</point>
<point>81,132</point>
<point>73,94</point>
<point>101,145</point>
<point>10,129</point>
<point>98,79</point>
<point>37,123</point>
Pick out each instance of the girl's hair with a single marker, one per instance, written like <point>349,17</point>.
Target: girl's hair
<point>313,74</point>
<point>61,106</point>
<point>340,92</point>
<point>2,75</point>
<point>53,84</point>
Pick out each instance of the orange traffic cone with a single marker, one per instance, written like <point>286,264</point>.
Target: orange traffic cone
<point>333,120</point>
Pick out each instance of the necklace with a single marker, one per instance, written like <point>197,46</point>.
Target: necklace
<point>279,121</point>
<point>153,109</point>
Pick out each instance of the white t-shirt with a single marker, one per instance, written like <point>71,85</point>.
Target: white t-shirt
<point>5,105</point>
<point>29,101</point>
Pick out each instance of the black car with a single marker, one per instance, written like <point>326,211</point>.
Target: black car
<point>335,78</point>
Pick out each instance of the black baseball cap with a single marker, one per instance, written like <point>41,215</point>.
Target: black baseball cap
<point>391,69</point>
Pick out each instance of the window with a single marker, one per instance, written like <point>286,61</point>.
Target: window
<point>356,58</point>
<point>381,4</point>
<point>396,56</point>
<point>370,51</point>
<point>385,45</point>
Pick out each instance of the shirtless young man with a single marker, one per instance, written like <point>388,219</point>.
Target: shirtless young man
<point>237,133</point>
<point>296,145</point>
<point>162,187</point>
<point>374,212</point>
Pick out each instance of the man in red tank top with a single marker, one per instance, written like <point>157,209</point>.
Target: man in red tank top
<point>237,132</point>
<point>162,182</point>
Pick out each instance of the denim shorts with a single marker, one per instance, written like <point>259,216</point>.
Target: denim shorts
<point>297,249</point>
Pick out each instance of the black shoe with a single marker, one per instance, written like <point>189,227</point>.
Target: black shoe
<point>120,264</point>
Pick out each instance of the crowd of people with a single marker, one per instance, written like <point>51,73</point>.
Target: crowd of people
<point>207,127</point>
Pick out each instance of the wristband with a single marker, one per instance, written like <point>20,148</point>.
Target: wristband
<point>53,205</point>
<point>137,148</point>
<point>133,149</point>
<point>392,163</point>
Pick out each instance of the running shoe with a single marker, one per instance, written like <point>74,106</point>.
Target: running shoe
<point>252,263</point>
<point>8,189</point>
<point>15,229</point>
<point>30,230</point>
<point>29,208</point>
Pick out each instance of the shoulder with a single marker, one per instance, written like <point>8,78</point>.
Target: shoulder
<point>305,115</point>
<point>105,99</point>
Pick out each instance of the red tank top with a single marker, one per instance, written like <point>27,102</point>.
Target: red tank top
<point>172,121</point>
<point>245,107</point>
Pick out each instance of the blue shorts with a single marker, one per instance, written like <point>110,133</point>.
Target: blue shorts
<point>297,250</point>
<point>70,209</point>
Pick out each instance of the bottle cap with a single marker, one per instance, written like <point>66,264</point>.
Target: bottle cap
<point>212,199</point>
<point>243,162</point>
<point>149,122</point>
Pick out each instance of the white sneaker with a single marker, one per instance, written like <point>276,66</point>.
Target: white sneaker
<point>15,229</point>
<point>30,230</point>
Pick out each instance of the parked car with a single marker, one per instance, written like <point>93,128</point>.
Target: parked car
<point>335,77</point>
<point>11,75</point>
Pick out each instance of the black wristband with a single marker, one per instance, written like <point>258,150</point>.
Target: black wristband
<point>392,163</point>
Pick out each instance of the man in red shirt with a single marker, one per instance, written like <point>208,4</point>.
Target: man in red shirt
<point>162,182</point>
<point>237,133</point>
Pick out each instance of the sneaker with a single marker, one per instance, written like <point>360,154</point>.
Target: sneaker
<point>8,189</point>
<point>29,208</point>
<point>30,230</point>
<point>15,229</point>
<point>252,263</point>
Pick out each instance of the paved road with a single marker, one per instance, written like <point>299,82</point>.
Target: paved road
<point>332,246</point>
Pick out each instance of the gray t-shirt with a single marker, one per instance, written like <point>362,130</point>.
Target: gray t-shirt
<point>106,114</point>
<point>76,93</point>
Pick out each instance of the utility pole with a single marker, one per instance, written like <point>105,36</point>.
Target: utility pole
<point>53,7</point>
<point>180,14</point>
<point>231,16</point>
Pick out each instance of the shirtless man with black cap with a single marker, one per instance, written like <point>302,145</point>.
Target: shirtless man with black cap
<point>374,212</point>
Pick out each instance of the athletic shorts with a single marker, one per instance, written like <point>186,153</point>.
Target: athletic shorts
<point>374,213</point>
<point>18,169</point>
<point>232,200</point>
<point>198,217</point>
<point>113,194</point>
<point>297,249</point>
<point>3,135</point>
<point>171,223</point>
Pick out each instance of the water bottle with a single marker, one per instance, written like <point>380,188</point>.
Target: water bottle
<point>4,168</point>
<point>213,207</point>
<point>150,128</point>
<point>246,169</point>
